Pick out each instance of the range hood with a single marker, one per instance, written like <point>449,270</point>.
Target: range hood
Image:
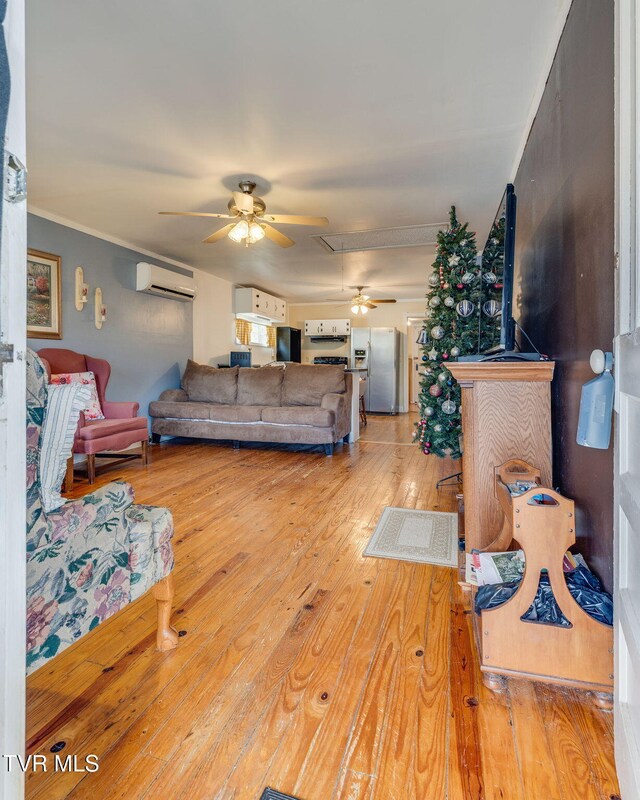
<point>328,338</point>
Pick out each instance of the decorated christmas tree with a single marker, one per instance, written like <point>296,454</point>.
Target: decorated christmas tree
<point>463,312</point>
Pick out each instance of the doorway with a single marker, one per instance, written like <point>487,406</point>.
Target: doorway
<point>414,326</point>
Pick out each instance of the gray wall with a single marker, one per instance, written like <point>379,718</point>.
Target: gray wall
<point>146,339</point>
<point>565,254</point>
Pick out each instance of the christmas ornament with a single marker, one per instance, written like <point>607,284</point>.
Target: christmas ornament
<point>455,352</point>
<point>435,390</point>
<point>428,412</point>
<point>468,278</point>
<point>437,332</point>
<point>465,308</point>
<point>437,428</point>
<point>445,285</point>
<point>449,302</point>
<point>434,302</point>
<point>433,281</point>
<point>492,308</point>
<point>489,278</point>
<point>425,358</point>
<point>445,355</point>
<point>449,407</point>
<point>460,286</point>
<point>442,377</point>
<point>433,354</point>
<point>454,260</point>
<point>463,243</point>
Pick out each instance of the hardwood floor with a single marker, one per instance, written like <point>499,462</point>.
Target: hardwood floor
<point>304,667</point>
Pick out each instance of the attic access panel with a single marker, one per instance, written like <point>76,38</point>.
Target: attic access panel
<point>381,238</point>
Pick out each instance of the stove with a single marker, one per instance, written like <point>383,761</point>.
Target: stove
<point>341,361</point>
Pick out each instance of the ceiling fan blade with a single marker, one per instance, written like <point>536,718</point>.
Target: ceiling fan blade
<point>289,219</point>
<point>197,214</point>
<point>277,237</point>
<point>215,237</point>
<point>244,202</point>
<point>384,301</point>
<point>369,305</point>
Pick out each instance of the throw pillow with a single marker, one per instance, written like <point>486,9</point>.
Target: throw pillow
<point>205,384</point>
<point>93,409</point>
<point>64,404</point>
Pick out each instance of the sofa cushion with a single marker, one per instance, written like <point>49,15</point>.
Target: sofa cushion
<point>237,413</point>
<point>179,410</point>
<point>207,384</point>
<point>306,384</point>
<point>300,415</point>
<point>260,387</point>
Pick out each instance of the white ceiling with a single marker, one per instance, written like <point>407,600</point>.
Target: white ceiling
<point>372,113</point>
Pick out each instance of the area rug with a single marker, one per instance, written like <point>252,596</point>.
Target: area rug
<point>429,537</point>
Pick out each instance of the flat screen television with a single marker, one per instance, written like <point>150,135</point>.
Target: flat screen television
<point>506,349</point>
<point>507,211</point>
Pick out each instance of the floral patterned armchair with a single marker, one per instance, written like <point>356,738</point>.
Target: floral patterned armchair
<point>89,558</point>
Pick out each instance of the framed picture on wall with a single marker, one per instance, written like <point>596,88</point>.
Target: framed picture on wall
<point>44,295</point>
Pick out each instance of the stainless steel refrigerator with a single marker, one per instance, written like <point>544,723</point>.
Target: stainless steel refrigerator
<point>377,350</point>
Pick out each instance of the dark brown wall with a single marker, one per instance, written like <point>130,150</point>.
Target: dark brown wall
<point>565,254</point>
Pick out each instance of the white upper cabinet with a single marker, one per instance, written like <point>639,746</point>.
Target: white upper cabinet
<point>327,327</point>
<point>257,306</point>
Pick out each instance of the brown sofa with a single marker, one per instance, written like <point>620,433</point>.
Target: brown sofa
<point>297,404</point>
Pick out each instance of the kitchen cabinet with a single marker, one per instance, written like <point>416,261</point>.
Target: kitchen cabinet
<point>327,327</point>
<point>257,306</point>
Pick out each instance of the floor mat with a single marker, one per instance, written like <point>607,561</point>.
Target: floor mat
<point>429,537</point>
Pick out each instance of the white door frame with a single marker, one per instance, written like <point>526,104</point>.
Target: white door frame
<point>627,405</point>
<point>12,433</point>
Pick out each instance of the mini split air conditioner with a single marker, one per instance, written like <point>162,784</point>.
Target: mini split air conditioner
<point>165,283</point>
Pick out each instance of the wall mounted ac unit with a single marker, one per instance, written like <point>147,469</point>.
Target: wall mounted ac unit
<point>165,283</point>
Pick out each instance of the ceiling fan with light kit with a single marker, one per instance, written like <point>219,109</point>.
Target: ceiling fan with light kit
<point>251,222</point>
<point>361,303</point>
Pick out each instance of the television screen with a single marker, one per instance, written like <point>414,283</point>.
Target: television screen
<point>501,242</point>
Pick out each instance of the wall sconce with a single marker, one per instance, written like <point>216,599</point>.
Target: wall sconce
<point>82,289</point>
<point>100,309</point>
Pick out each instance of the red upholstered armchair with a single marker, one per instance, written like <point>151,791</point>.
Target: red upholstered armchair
<point>121,427</point>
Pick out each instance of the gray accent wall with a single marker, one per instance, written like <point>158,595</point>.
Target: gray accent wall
<point>146,339</point>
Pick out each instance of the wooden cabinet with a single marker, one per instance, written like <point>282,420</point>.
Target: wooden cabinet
<point>327,327</point>
<point>506,414</point>
<point>253,304</point>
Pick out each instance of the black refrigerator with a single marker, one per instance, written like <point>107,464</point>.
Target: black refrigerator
<point>288,344</point>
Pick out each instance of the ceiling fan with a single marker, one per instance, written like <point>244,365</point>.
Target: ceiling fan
<point>361,303</point>
<point>251,222</point>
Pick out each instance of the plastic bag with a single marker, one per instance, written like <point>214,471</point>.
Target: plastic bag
<point>584,586</point>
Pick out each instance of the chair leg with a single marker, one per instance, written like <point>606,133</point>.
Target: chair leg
<point>91,467</point>
<point>328,449</point>
<point>167,637</point>
<point>145,453</point>
<point>67,483</point>
<point>155,438</point>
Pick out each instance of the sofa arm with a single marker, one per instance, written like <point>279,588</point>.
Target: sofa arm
<point>338,404</point>
<point>174,396</point>
<point>120,410</point>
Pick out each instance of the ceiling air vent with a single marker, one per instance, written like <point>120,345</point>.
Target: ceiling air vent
<point>380,238</point>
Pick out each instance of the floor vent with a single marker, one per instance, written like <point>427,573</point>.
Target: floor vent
<point>380,238</point>
<point>273,794</point>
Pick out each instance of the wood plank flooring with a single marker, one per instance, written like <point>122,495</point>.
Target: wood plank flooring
<point>304,667</point>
